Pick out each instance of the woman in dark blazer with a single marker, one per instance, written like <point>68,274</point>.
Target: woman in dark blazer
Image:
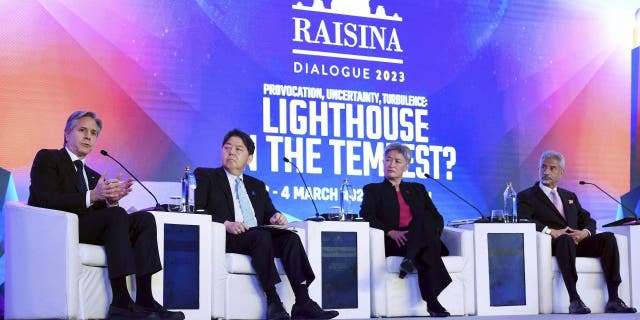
<point>412,226</point>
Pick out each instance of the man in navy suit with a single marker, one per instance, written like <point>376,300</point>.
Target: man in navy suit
<point>558,213</point>
<point>240,202</point>
<point>60,180</point>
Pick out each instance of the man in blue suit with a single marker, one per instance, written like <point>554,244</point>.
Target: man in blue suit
<point>241,202</point>
<point>558,213</point>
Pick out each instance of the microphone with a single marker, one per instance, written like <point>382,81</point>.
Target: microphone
<point>625,220</point>
<point>317,217</point>
<point>483,219</point>
<point>158,206</point>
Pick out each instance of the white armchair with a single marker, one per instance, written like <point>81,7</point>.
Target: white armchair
<point>49,274</point>
<point>236,292</point>
<point>552,293</point>
<point>395,297</point>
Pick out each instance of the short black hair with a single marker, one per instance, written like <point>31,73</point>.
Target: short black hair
<point>246,139</point>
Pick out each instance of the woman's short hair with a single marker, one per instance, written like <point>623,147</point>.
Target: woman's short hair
<point>401,148</point>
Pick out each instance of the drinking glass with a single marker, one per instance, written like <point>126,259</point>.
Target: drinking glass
<point>175,205</point>
<point>497,215</point>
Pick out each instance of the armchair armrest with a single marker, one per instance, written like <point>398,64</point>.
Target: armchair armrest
<point>42,263</point>
<point>219,269</point>
<point>378,269</point>
<point>545,270</point>
<point>458,241</point>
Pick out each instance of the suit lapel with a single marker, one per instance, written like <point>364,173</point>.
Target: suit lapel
<point>544,199</point>
<point>69,168</point>
<point>251,191</point>
<point>569,208</point>
<point>221,179</point>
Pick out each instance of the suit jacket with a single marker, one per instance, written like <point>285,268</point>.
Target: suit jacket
<point>54,186</point>
<point>213,195</point>
<point>381,208</point>
<point>533,204</point>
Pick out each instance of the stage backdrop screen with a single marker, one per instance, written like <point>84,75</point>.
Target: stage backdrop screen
<point>476,89</point>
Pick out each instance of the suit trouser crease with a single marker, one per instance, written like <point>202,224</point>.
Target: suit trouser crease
<point>263,246</point>
<point>129,240</point>
<point>601,245</point>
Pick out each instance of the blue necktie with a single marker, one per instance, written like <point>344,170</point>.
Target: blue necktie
<point>248,215</point>
<point>80,176</point>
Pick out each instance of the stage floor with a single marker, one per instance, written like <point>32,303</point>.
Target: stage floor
<point>600,316</point>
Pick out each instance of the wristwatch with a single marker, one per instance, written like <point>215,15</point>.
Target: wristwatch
<point>547,230</point>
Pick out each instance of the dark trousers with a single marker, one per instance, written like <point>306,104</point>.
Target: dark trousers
<point>432,274</point>
<point>129,240</point>
<point>601,245</point>
<point>263,245</point>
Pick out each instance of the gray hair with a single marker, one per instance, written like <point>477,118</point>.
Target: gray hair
<point>73,120</point>
<point>551,154</point>
<point>401,148</point>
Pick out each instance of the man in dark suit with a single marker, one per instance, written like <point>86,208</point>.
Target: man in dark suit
<point>60,180</point>
<point>240,202</point>
<point>412,225</point>
<point>558,213</point>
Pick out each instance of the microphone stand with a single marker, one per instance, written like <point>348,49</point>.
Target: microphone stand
<point>633,220</point>
<point>158,206</point>
<point>482,218</point>
<point>317,217</point>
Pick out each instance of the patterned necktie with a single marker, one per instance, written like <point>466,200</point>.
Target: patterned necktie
<point>248,215</point>
<point>555,198</point>
<point>80,176</point>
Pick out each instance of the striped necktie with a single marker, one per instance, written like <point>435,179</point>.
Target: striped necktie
<point>248,215</point>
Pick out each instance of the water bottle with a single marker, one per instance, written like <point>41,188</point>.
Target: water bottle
<point>346,196</point>
<point>188,191</point>
<point>510,210</point>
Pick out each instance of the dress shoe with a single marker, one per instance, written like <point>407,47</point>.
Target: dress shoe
<point>436,310</point>
<point>132,311</point>
<point>158,311</point>
<point>578,307</point>
<point>276,311</point>
<point>311,310</point>
<point>406,267</point>
<point>438,314</point>
<point>618,306</point>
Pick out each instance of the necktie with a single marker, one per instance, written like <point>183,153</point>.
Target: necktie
<point>248,215</point>
<point>82,184</point>
<point>555,198</point>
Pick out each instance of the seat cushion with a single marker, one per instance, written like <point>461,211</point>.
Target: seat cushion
<point>241,264</point>
<point>454,264</point>
<point>92,255</point>
<point>583,265</point>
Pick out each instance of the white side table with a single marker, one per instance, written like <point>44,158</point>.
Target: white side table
<point>506,268</point>
<point>184,283</point>
<point>339,254</point>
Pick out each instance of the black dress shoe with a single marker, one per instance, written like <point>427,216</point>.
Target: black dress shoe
<point>578,307</point>
<point>438,314</point>
<point>618,306</point>
<point>436,310</point>
<point>132,311</point>
<point>311,310</point>
<point>158,311</point>
<point>406,267</point>
<point>276,311</point>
